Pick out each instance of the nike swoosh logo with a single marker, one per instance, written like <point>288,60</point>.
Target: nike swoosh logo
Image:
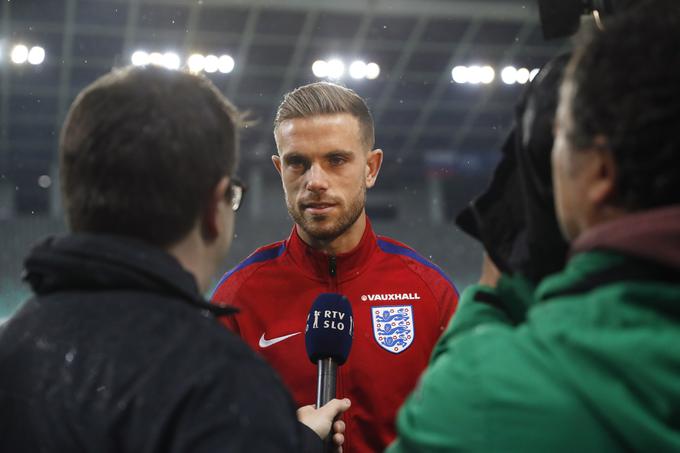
<point>264,343</point>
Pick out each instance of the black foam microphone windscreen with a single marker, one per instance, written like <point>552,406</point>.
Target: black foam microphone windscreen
<point>330,327</point>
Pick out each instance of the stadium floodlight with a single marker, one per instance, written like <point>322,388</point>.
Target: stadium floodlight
<point>212,64</point>
<point>357,70</point>
<point>509,75</point>
<point>156,58</point>
<point>372,71</point>
<point>474,75</point>
<point>459,74</point>
<point>225,64</point>
<point>36,55</point>
<point>196,62</point>
<point>19,54</point>
<point>140,58</point>
<point>320,69</point>
<point>171,60</point>
<point>533,74</point>
<point>487,74</point>
<point>336,68</point>
<point>522,76</point>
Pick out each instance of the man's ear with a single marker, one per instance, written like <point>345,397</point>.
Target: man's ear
<point>276,160</point>
<point>604,173</point>
<point>373,163</point>
<point>213,214</point>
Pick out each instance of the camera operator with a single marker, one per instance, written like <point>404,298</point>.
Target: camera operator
<point>586,361</point>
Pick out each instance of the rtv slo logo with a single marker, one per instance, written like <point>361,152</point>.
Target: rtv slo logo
<point>331,319</point>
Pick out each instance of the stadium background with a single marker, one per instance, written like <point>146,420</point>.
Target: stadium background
<point>449,75</point>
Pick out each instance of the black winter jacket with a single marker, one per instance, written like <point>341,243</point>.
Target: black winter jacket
<point>118,352</point>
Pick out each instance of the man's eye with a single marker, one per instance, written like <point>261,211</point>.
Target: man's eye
<point>336,160</point>
<point>295,162</point>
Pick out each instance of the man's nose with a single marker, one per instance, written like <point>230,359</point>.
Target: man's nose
<point>317,179</point>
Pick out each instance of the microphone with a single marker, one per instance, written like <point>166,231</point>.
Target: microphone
<point>328,339</point>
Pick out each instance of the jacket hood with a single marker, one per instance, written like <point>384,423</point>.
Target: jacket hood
<point>99,262</point>
<point>653,235</point>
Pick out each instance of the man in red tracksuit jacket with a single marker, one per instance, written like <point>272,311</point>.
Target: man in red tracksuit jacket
<point>400,301</point>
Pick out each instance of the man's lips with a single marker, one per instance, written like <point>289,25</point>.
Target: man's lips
<point>318,207</point>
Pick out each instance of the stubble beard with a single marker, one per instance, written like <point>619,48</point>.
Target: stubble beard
<point>312,224</point>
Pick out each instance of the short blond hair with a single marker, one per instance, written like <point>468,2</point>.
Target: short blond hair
<point>324,98</point>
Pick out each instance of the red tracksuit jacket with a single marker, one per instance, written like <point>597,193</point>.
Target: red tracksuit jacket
<point>401,303</point>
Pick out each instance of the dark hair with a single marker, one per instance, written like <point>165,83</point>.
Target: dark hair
<point>626,81</point>
<point>323,98</point>
<point>141,150</point>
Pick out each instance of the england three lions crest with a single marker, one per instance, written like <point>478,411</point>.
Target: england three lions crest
<point>393,327</point>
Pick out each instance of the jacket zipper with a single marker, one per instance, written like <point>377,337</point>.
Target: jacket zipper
<point>332,271</point>
<point>333,287</point>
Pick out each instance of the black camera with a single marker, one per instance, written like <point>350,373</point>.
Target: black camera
<point>560,18</point>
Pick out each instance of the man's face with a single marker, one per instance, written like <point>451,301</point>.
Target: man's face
<point>325,168</point>
<point>228,231</point>
<point>570,177</point>
<point>227,218</point>
<point>217,231</point>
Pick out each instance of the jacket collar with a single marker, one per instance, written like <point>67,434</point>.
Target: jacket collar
<point>317,264</point>
<point>653,235</point>
<point>101,262</point>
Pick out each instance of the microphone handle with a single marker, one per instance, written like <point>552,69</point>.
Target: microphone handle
<point>326,380</point>
<point>325,391</point>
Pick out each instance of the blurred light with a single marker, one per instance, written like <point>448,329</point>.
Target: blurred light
<point>19,54</point>
<point>225,64</point>
<point>459,74</point>
<point>509,75</point>
<point>196,62</point>
<point>320,69</point>
<point>336,68</point>
<point>44,181</point>
<point>357,70</point>
<point>533,73</point>
<point>212,64</point>
<point>372,71</point>
<point>474,75</point>
<point>487,74</point>
<point>522,75</point>
<point>156,58</point>
<point>36,55</point>
<point>140,58</point>
<point>171,60</point>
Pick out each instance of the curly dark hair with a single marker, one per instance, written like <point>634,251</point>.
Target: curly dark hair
<point>626,80</point>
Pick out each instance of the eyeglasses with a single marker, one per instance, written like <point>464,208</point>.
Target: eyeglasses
<point>235,193</point>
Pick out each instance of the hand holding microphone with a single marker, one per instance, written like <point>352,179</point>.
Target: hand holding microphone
<point>322,421</point>
<point>328,339</point>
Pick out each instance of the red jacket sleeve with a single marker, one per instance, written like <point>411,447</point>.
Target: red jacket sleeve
<point>226,293</point>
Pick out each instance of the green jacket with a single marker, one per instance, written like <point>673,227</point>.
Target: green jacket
<point>588,361</point>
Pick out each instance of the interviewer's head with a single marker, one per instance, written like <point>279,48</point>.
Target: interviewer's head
<point>150,153</point>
